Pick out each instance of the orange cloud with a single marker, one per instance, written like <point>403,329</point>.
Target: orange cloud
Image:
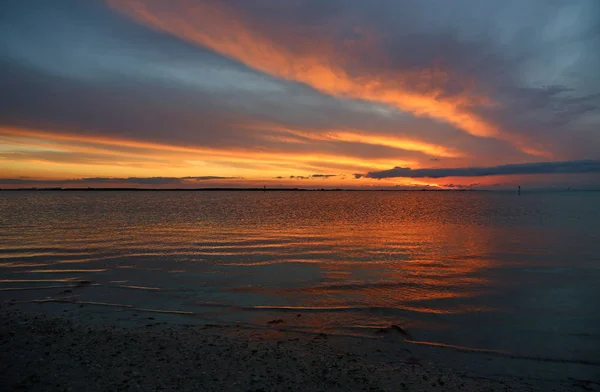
<point>28,152</point>
<point>227,31</point>
<point>107,145</point>
<point>366,138</point>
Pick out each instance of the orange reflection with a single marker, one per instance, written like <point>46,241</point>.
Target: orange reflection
<point>338,258</point>
<point>392,265</point>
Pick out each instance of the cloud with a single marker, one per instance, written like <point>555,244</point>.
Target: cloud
<point>269,88</point>
<point>233,32</point>
<point>140,84</point>
<point>126,181</point>
<point>310,177</point>
<point>461,186</point>
<point>365,138</point>
<point>431,64</point>
<point>566,167</point>
<point>51,147</point>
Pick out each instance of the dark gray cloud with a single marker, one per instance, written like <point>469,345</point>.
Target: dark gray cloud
<point>309,177</point>
<point>535,61</point>
<point>461,186</point>
<point>566,167</point>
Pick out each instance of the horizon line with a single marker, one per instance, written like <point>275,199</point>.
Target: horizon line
<point>255,189</point>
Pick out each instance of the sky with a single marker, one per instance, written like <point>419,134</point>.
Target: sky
<point>300,93</point>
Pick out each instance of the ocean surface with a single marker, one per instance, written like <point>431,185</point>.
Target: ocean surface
<point>479,270</point>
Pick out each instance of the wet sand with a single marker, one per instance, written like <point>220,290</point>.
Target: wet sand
<point>41,351</point>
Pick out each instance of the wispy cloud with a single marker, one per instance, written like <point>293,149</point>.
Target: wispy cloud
<point>430,65</point>
<point>366,138</point>
<point>228,30</point>
<point>114,181</point>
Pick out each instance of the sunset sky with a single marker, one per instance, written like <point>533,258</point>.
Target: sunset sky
<point>302,93</point>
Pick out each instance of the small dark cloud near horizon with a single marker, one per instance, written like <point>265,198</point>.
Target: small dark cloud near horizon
<point>310,177</point>
<point>565,167</point>
<point>461,186</point>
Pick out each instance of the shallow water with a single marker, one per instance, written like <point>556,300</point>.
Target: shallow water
<point>481,270</point>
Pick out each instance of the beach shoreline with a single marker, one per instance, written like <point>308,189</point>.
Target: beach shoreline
<point>41,351</point>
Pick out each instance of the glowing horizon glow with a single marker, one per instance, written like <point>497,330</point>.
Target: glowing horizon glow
<point>142,158</point>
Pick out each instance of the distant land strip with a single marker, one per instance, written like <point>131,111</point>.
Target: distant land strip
<point>240,189</point>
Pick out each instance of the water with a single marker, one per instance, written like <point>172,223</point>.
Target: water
<point>482,270</point>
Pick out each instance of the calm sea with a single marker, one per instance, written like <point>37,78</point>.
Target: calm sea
<point>482,270</point>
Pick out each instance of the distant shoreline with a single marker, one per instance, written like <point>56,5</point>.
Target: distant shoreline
<point>240,189</point>
<point>278,190</point>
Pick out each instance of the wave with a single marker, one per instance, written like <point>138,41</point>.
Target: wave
<point>310,330</point>
<point>503,353</point>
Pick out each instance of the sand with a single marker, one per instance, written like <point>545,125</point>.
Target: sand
<point>42,352</point>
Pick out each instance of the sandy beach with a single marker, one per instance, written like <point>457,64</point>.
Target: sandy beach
<point>41,352</point>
